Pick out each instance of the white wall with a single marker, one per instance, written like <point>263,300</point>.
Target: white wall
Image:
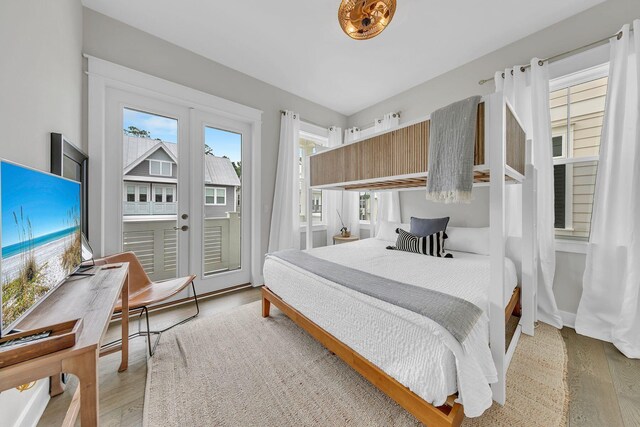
<point>475,214</point>
<point>40,92</point>
<point>40,77</point>
<point>117,42</point>
<point>586,27</point>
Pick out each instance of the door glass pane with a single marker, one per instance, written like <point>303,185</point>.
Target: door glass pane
<point>150,153</point>
<point>222,176</point>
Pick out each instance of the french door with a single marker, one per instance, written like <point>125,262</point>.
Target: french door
<point>220,206</point>
<point>176,189</point>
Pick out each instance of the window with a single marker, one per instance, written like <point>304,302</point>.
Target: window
<point>136,192</point>
<point>142,193</point>
<point>365,207</point>
<point>577,106</point>
<point>215,196</point>
<point>308,144</point>
<point>163,193</point>
<point>131,193</point>
<point>160,168</point>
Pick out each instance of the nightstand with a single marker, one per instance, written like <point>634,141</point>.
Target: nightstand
<point>337,239</point>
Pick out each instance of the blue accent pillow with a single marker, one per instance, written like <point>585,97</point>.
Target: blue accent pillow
<point>423,227</point>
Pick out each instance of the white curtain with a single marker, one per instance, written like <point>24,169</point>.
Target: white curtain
<point>351,134</point>
<point>332,198</point>
<point>285,218</point>
<point>528,93</point>
<point>610,305</point>
<point>388,121</point>
<point>351,199</point>
<point>388,201</point>
<point>388,208</point>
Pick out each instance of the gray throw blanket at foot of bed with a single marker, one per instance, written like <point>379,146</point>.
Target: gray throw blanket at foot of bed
<point>454,314</point>
<point>452,138</point>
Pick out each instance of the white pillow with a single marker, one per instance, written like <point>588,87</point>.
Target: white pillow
<point>463,239</point>
<point>387,230</point>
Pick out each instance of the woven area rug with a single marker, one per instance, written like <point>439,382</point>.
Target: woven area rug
<point>238,369</point>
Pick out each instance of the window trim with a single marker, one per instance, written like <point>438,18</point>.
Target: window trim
<point>567,243</point>
<point>161,162</point>
<point>319,136</point>
<point>215,196</point>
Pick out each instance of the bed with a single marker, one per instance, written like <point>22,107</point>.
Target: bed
<point>411,348</point>
<point>421,366</point>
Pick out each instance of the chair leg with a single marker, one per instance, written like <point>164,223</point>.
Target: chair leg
<point>148,332</point>
<point>195,300</point>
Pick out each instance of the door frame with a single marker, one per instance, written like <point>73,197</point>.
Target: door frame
<point>104,74</point>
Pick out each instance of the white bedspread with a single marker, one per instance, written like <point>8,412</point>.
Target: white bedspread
<point>411,348</point>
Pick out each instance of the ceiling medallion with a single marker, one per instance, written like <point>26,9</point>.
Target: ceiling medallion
<point>365,19</point>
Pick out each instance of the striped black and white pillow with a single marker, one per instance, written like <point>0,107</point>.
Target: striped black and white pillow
<point>432,245</point>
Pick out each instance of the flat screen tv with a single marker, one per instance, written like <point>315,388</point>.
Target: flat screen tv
<point>40,235</point>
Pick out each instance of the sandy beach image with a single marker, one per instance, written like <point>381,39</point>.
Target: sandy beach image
<point>41,239</point>
<point>48,256</point>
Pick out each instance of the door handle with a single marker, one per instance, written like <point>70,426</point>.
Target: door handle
<point>183,228</point>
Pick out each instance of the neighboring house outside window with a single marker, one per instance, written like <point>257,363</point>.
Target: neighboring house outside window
<point>150,180</point>
<point>215,196</point>
<point>307,145</point>
<point>577,104</point>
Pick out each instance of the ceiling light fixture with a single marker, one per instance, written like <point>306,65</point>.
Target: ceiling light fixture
<point>365,19</point>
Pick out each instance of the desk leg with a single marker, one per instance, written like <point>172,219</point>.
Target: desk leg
<point>124,363</point>
<point>56,386</point>
<point>85,367</point>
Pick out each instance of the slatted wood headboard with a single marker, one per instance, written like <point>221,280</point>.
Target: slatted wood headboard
<point>381,159</point>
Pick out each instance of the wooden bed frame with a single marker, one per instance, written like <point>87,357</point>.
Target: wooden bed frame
<point>450,414</point>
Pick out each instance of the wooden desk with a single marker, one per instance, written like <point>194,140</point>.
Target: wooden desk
<point>92,299</point>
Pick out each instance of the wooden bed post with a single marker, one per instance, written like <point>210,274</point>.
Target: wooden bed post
<point>497,134</point>
<point>529,227</point>
<point>266,305</point>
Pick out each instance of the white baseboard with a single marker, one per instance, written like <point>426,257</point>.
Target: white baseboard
<point>24,409</point>
<point>568,319</point>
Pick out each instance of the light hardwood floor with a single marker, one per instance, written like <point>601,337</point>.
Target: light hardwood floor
<point>604,385</point>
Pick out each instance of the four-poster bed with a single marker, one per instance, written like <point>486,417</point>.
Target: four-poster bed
<point>397,160</point>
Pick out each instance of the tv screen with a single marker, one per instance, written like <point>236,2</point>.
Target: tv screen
<point>40,237</point>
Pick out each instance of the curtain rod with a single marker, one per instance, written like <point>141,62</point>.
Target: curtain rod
<point>564,54</point>
<point>395,114</point>
<point>307,121</point>
<point>373,123</point>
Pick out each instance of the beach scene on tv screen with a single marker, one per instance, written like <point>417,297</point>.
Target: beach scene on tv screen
<point>41,240</point>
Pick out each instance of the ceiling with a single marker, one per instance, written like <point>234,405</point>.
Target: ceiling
<point>298,46</point>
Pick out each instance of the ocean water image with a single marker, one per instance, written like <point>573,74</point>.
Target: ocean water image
<point>41,240</point>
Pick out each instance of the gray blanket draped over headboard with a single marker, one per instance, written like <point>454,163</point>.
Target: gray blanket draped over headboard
<point>452,138</point>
